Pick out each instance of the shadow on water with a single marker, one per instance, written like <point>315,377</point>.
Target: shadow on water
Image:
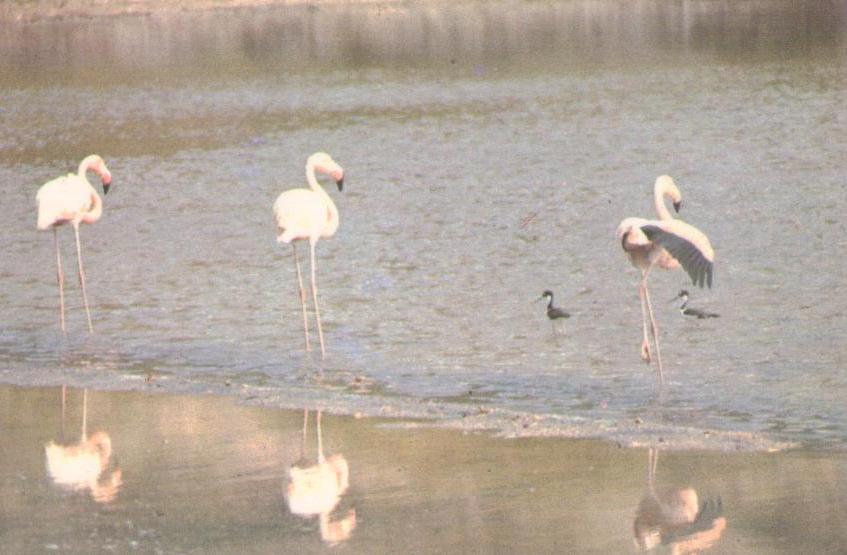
<point>334,37</point>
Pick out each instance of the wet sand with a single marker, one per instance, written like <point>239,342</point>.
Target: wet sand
<point>128,471</point>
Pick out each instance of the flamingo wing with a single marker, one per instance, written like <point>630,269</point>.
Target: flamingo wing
<point>688,245</point>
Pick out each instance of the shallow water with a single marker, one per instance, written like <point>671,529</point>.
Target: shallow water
<point>200,474</point>
<point>455,126</point>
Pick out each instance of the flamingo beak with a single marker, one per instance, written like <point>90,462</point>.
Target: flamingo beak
<point>677,206</point>
<point>106,185</point>
<point>340,183</point>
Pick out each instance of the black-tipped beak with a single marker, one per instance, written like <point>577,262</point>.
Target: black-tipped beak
<point>677,206</point>
<point>340,184</point>
<point>106,188</point>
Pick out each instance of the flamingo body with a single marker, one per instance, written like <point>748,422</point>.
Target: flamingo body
<point>67,199</point>
<point>303,214</point>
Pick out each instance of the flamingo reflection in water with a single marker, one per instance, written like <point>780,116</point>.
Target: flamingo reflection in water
<point>317,489</point>
<point>667,243</point>
<point>676,517</point>
<point>87,464</point>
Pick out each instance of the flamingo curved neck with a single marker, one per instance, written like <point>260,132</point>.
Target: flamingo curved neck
<point>88,163</point>
<point>316,187</point>
<point>659,194</point>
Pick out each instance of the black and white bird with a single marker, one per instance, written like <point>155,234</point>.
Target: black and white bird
<point>685,310</point>
<point>553,312</point>
<point>556,315</point>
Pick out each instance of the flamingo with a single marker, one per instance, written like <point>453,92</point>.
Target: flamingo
<point>668,243</point>
<point>309,214</point>
<point>72,199</point>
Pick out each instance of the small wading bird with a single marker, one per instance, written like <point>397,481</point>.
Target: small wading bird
<point>554,313</point>
<point>72,199</point>
<point>304,214</point>
<point>668,243</point>
<point>685,310</point>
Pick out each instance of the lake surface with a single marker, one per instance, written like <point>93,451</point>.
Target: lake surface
<point>199,474</point>
<point>490,151</point>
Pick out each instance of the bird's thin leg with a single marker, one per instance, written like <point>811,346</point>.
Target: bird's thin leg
<point>60,277</point>
<point>321,458</point>
<point>645,342</point>
<point>652,462</point>
<point>302,296</point>
<point>64,396</point>
<point>84,414</point>
<point>654,329</point>
<point>315,300</point>
<point>303,439</point>
<point>82,278</point>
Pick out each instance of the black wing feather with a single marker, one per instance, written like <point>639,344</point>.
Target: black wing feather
<point>698,267</point>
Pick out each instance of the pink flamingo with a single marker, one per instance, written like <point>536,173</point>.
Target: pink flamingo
<point>665,242</point>
<point>309,214</point>
<point>72,199</point>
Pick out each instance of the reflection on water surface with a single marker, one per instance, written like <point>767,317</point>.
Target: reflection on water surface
<point>200,474</point>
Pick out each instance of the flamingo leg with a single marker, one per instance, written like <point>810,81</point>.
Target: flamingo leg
<point>84,414</point>
<point>654,329</point>
<point>321,458</point>
<point>82,278</point>
<point>64,396</point>
<point>315,300</point>
<point>302,296</point>
<point>60,277</point>
<point>645,342</point>
<point>303,439</point>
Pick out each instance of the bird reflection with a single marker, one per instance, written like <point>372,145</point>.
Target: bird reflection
<point>676,517</point>
<point>85,465</point>
<point>317,489</point>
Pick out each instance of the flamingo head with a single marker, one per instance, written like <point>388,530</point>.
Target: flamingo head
<point>106,180</point>
<point>97,165</point>
<point>666,187</point>
<point>323,162</point>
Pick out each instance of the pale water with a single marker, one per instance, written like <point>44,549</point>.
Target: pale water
<point>490,151</point>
